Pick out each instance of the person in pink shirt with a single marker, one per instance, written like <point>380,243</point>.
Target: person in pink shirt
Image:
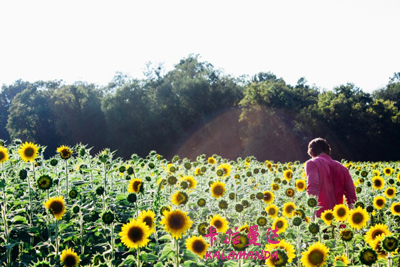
<point>327,179</point>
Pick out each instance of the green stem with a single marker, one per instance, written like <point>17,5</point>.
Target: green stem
<point>177,252</point>
<point>56,239</point>
<point>82,239</point>
<point>66,177</point>
<point>138,258</point>
<point>112,242</point>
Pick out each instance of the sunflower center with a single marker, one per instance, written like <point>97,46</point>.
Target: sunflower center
<point>65,153</point>
<point>357,218</point>
<point>225,170</point>
<point>2,156</point>
<point>289,209</point>
<point>379,202</point>
<point>176,221</point>
<point>180,197</point>
<point>198,246</point>
<point>29,152</point>
<point>316,257</point>
<point>218,190</point>
<point>397,208</point>
<point>341,212</point>
<point>56,207</point>
<point>271,211</point>
<point>300,185</point>
<point>279,224</point>
<point>148,221</point>
<point>329,216</point>
<point>136,186</point>
<point>70,260</point>
<point>267,196</point>
<point>376,233</point>
<point>135,234</point>
<point>218,224</point>
<point>390,192</point>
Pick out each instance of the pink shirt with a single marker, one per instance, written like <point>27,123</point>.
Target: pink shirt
<point>329,180</point>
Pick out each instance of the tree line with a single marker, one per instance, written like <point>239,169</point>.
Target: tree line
<point>195,109</point>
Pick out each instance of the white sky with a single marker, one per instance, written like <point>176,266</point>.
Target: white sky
<point>328,42</point>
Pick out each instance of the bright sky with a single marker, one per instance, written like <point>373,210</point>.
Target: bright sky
<point>327,42</point>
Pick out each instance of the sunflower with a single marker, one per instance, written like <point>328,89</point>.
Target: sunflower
<point>191,181</point>
<point>315,256</point>
<point>226,169</point>
<point>220,223</point>
<point>312,202</point>
<point>275,187</point>
<point>135,186</point>
<point>56,206</point>
<point>197,245</point>
<point>148,217</point>
<point>268,197</point>
<point>281,224</point>
<point>289,192</point>
<point>179,198</point>
<point>176,222</point>
<point>288,175</point>
<point>368,256</point>
<point>379,202</point>
<point>346,235</point>
<point>395,208</point>
<point>272,210</point>
<point>382,254</point>
<point>340,212</point>
<point>390,243</point>
<point>69,258</point>
<point>218,189</point>
<point>387,171</point>
<point>280,260</point>
<point>107,217</point>
<point>211,160</point>
<point>28,151</point>
<point>288,209</point>
<point>268,164</point>
<point>378,182</point>
<point>374,232</point>
<point>202,228</point>
<point>3,154</point>
<point>327,216</point>
<point>201,202</point>
<point>135,234</point>
<point>65,152</point>
<point>300,185</point>
<point>358,218</point>
<point>390,192</point>
<point>287,247</point>
<point>44,182</point>
<point>343,259</point>
<point>261,221</point>
<point>243,242</point>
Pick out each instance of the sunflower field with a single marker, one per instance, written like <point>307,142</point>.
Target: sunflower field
<point>79,209</point>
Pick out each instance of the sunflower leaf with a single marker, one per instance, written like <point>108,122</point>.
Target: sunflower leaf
<point>189,255</point>
<point>192,264</point>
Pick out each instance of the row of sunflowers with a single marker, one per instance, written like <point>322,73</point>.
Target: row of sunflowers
<point>79,209</point>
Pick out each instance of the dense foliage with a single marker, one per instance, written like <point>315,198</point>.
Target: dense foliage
<point>196,109</point>
<point>100,210</point>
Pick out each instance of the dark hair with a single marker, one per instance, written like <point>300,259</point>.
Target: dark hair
<point>317,146</point>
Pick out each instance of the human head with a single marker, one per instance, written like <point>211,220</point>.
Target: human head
<point>317,146</point>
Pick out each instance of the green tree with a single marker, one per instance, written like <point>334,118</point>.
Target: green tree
<point>7,94</point>
<point>30,117</point>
